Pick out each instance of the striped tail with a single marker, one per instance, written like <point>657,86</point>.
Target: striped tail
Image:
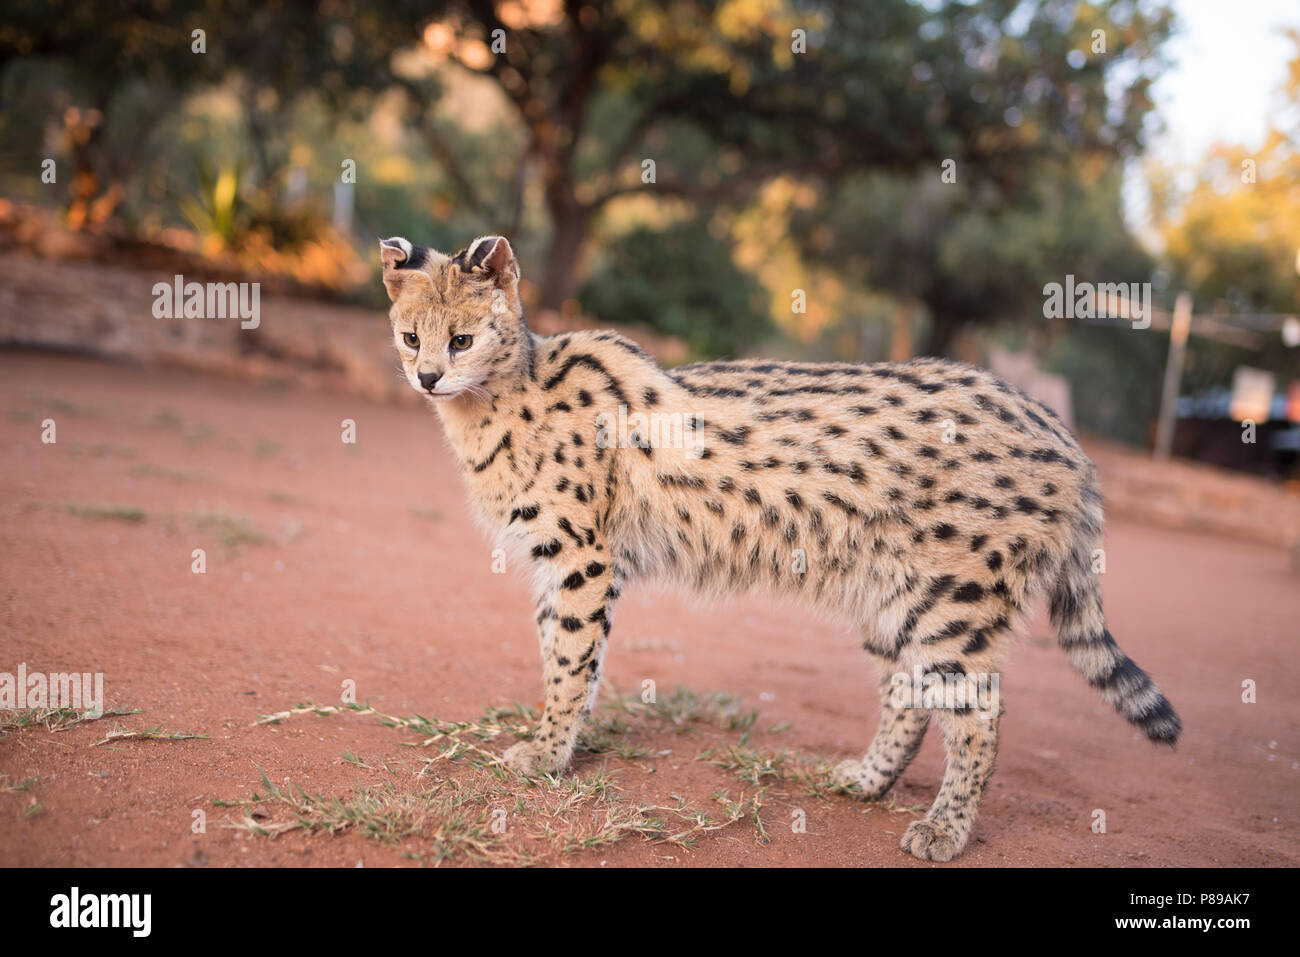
<point>1081,629</point>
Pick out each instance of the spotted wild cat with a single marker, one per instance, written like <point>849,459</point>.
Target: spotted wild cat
<point>925,502</point>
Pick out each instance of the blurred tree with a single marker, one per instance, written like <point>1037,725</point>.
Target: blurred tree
<point>973,240</point>
<point>102,48</point>
<point>717,97</point>
<point>722,96</point>
<point>1115,376</point>
<point>963,256</point>
<point>682,282</point>
<point>160,49</point>
<point>1233,237</point>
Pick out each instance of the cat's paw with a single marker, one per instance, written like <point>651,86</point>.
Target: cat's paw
<point>856,776</point>
<point>932,841</point>
<point>847,774</point>
<point>530,760</point>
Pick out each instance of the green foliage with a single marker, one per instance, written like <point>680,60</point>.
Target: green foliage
<point>682,282</point>
<point>969,256</point>
<point>213,210</point>
<point>547,139</point>
<point>1115,375</point>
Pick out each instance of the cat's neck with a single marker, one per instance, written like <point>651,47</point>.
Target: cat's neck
<point>475,422</point>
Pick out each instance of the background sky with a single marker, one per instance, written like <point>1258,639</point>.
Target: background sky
<point>1229,62</point>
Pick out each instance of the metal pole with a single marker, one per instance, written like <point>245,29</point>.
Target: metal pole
<point>1178,330</point>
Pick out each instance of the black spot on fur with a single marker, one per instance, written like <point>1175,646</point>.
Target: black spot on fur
<point>501,446</point>
<point>591,362</point>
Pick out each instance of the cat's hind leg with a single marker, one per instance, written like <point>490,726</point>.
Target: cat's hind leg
<point>972,743</point>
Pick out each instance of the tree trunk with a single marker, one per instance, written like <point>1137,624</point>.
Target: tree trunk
<point>559,282</point>
<point>83,131</point>
<point>943,333</point>
<point>900,344</point>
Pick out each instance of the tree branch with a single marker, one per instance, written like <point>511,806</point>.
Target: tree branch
<point>443,154</point>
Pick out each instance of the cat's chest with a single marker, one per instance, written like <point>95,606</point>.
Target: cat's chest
<point>501,476</point>
<point>494,499</point>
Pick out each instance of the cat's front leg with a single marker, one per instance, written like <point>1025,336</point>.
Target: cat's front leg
<point>574,605</point>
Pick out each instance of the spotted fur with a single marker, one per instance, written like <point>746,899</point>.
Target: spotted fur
<point>926,502</point>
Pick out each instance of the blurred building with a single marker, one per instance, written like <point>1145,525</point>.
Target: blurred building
<point>1208,431</point>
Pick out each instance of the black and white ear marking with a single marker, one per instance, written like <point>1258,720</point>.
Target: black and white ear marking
<point>395,251</point>
<point>401,253</point>
<point>500,260</point>
<point>478,249</point>
<point>491,255</point>
<point>402,259</point>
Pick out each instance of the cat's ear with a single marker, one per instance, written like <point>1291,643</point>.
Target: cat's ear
<point>491,257</point>
<point>393,252</point>
<point>402,260</point>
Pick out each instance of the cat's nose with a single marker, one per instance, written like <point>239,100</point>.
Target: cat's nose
<point>429,379</point>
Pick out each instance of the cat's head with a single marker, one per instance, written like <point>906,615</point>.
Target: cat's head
<point>457,321</point>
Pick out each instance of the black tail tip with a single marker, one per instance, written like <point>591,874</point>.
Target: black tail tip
<point>1161,724</point>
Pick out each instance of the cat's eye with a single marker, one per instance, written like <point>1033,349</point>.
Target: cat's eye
<point>461,343</point>
<point>411,339</point>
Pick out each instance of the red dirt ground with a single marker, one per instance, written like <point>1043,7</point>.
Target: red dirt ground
<point>375,572</point>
